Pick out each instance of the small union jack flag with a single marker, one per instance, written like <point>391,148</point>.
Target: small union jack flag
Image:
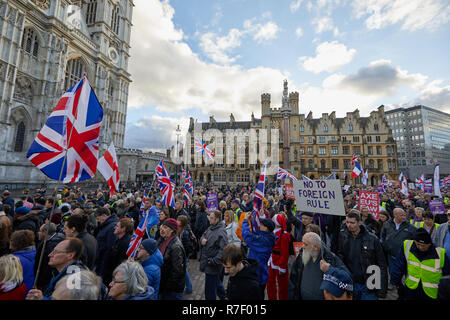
<point>136,239</point>
<point>420,183</point>
<point>354,159</point>
<point>166,184</point>
<point>258,208</point>
<point>200,146</point>
<point>283,174</point>
<point>72,129</point>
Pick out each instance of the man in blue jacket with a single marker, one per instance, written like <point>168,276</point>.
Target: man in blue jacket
<point>152,260</point>
<point>260,243</point>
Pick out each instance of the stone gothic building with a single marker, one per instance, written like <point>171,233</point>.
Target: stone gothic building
<point>45,48</point>
<point>313,147</point>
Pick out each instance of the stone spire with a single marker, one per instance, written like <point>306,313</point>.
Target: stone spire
<point>285,101</point>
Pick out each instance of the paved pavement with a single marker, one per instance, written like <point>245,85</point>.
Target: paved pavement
<point>198,284</point>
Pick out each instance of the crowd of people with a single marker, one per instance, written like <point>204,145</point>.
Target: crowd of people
<point>72,244</point>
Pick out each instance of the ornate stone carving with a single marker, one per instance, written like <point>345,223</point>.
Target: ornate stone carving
<point>23,90</point>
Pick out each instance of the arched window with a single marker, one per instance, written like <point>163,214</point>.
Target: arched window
<point>91,11</point>
<point>74,72</point>
<point>115,19</point>
<point>30,42</point>
<point>20,137</point>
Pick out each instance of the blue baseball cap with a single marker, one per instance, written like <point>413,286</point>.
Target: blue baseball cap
<point>336,282</point>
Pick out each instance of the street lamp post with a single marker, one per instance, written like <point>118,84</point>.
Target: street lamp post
<point>178,130</point>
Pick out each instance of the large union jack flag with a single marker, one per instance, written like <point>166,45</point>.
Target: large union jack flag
<point>136,239</point>
<point>200,146</point>
<point>258,208</point>
<point>166,184</point>
<point>283,174</point>
<point>72,128</point>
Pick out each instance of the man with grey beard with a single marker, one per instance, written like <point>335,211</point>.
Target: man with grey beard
<point>307,271</point>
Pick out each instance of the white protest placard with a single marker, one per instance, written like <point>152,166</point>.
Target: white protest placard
<point>321,196</point>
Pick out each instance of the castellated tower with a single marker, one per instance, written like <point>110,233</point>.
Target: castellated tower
<point>293,102</point>
<point>265,104</point>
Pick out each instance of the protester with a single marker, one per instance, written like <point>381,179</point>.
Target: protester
<point>179,210</point>
<point>184,234</point>
<point>278,281</point>
<point>47,231</point>
<point>422,264</point>
<point>442,236</point>
<point>173,270</point>
<point>88,287</point>
<point>212,243</point>
<point>105,237</point>
<point>306,272</point>
<point>163,216</point>
<point>123,232</point>
<point>260,243</point>
<point>65,258</point>
<point>337,285</point>
<point>22,245</point>
<point>75,227</point>
<point>384,217</point>
<point>369,221</point>
<point>243,281</point>
<point>129,282</point>
<point>12,286</point>
<point>360,249</point>
<point>201,219</point>
<point>394,232</point>
<point>235,207</point>
<point>24,219</point>
<point>5,231</point>
<point>429,224</point>
<point>230,227</point>
<point>418,217</point>
<point>152,260</point>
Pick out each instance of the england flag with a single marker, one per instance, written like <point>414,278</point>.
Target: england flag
<point>109,168</point>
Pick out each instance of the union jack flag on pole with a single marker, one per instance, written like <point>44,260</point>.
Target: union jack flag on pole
<point>259,200</point>
<point>200,146</point>
<point>108,167</point>
<point>283,174</point>
<point>66,148</point>
<point>188,186</point>
<point>166,184</point>
<point>420,183</point>
<point>136,239</point>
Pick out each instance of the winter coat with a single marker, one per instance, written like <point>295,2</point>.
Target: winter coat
<point>211,253</point>
<point>89,250</point>
<point>185,239</point>
<point>18,293</point>
<point>295,278</point>
<point>27,257</point>
<point>440,233</point>
<point>244,285</point>
<point>372,225</point>
<point>392,240</point>
<point>5,233</point>
<point>201,223</point>
<point>371,254</point>
<point>105,240</point>
<point>27,221</point>
<point>46,272</point>
<point>147,295</point>
<point>261,244</point>
<point>181,212</point>
<point>152,267</point>
<point>133,213</point>
<point>9,201</point>
<point>173,270</point>
<point>399,269</point>
<point>231,233</point>
<point>116,256</point>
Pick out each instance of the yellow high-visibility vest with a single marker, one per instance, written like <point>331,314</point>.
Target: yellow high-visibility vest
<point>428,271</point>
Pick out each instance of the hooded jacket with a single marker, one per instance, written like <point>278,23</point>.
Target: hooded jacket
<point>261,244</point>
<point>27,257</point>
<point>244,285</point>
<point>211,253</point>
<point>152,267</point>
<point>147,295</point>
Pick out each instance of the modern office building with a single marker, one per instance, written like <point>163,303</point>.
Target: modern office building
<point>422,135</point>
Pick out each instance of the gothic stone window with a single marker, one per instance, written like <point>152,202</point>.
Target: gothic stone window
<point>91,12</point>
<point>74,72</point>
<point>20,137</point>
<point>30,42</point>
<point>115,19</point>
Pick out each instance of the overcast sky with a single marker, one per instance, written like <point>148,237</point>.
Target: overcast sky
<point>196,58</point>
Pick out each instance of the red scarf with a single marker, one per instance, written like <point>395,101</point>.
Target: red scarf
<point>165,244</point>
